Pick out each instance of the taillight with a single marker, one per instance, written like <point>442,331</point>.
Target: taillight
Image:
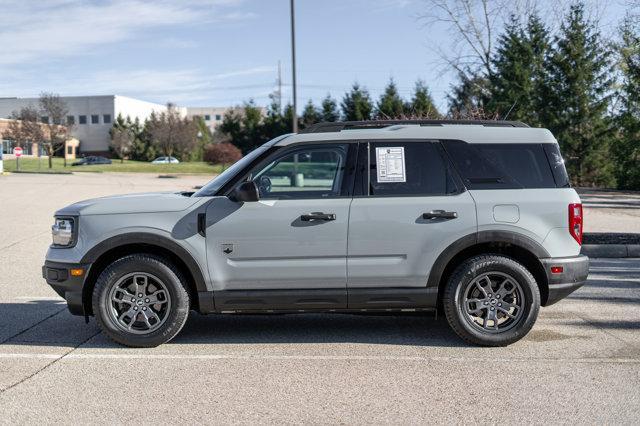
<point>576,223</point>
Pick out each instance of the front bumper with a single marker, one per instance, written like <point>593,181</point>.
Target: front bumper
<point>573,276</point>
<point>59,277</point>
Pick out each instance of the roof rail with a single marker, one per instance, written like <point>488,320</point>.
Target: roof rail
<point>337,126</point>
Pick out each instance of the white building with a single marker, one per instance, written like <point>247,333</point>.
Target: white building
<point>91,117</point>
<point>212,116</point>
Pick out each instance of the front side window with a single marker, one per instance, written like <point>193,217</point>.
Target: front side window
<point>409,169</point>
<point>309,172</point>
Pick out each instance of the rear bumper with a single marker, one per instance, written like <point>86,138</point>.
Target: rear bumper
<point>70,287</point>
<point>573,276</point>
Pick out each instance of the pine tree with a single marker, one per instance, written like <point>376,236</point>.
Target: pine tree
<point>422,105</point>
<point>577,91</point>
<point>517,69</point>
<point>330,109</point>
<point>310,115</point>
<point>356,104</point>
<point>469,97</point>
<point>390,105</point>
<point>626,148</point>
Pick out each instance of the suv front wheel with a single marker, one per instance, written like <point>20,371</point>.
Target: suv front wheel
<point>491,300</point>
<point>141,300</point>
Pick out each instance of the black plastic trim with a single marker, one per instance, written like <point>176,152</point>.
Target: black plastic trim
<point>574,275</point>
<point>288,300</point>
<point>387,297</point>
<point>338,126</point>
<point>67,286</point>
<point>481,237</point>
<point>150,239</point>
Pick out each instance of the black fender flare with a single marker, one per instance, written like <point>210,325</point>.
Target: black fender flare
<point>508,237</point>
<point>153,240</point>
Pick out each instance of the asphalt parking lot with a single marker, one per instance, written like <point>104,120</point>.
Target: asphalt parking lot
<point>580,363</point>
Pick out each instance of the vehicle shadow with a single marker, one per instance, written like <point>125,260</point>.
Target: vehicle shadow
<point>48,323</point>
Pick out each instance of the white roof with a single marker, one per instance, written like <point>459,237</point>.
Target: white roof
<point>465,132</point>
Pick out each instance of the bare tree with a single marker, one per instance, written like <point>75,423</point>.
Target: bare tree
<point>471,25</point>
<point>25,127</point>
<point>122,141</point>
<point>171,133</point>
<point>53,107</point>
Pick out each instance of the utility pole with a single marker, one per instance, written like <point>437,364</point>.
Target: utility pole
<point>279,88</point>
<point>293,67</point>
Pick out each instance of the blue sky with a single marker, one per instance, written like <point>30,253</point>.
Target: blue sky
<point>223,52</point>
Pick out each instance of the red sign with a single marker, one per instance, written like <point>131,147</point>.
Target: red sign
<point>17,151</point>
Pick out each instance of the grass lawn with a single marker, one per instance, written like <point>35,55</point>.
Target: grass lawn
<point>35,165</point>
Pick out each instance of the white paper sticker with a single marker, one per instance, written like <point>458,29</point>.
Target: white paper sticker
<point>390,164</point>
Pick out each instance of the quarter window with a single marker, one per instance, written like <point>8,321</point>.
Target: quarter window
<point>409,169</point>
<point>502,166</point>
<point>310,172</point>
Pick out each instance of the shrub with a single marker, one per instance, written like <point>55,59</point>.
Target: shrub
<point>221,153</point>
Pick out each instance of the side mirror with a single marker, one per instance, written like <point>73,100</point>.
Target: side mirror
<point>246,192</point>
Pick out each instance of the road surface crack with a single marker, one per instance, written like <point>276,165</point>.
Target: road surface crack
<point>40,370</point>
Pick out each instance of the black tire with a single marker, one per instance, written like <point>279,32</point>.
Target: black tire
<point>172,313</point>
<point>485,329</point>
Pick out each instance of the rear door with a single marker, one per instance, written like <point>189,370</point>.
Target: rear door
<point>411,209</point>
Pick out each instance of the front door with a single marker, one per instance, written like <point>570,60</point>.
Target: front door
<point>412,209</point>
<point>288,250</point>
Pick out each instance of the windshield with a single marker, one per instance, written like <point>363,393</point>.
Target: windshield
<point>219,181</point>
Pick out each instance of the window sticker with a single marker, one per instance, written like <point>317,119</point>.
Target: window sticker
<point>390,164</point>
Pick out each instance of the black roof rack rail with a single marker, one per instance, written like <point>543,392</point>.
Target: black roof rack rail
<point>337,126</point>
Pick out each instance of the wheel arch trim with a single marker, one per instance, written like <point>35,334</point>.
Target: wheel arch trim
<point>482,237</point>
<point>132,238</point>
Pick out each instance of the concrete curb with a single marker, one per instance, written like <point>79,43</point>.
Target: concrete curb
<point>611,250</point>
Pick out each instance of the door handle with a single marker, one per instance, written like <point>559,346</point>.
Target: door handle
<point>317,216</point>
<point>439,214</point>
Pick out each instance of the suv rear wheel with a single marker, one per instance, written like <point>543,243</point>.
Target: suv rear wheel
<point>491,300</point>
<point>141,301</point>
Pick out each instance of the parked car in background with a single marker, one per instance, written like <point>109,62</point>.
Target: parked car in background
<point>90,160</point>
<point>165,160</point>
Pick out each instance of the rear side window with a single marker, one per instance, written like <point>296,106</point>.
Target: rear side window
<point>409,169</point>
<point>502,166</point>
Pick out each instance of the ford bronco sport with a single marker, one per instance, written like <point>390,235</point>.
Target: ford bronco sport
<point>475,219</point>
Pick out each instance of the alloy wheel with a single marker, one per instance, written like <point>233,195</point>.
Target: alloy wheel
<point>493,302</point>
<point>139,303</point>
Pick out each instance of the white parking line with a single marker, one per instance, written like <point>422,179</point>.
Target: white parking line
<point>249,357</point>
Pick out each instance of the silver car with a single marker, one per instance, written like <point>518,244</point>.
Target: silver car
<point>474,219</point>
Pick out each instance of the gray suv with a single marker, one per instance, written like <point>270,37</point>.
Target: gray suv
<point>475,219</point>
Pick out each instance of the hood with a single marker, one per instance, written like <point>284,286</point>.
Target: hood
<point>151,202</point>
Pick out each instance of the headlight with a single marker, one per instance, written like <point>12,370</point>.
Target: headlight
<point>63,232</point>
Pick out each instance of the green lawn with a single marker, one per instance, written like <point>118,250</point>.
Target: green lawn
<point>34,165</point>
